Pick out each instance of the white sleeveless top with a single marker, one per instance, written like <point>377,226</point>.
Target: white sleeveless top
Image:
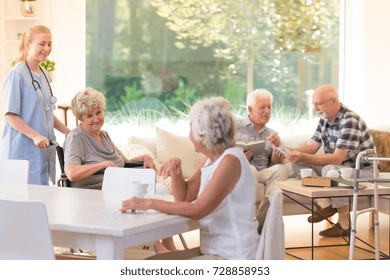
<point>230,230</point>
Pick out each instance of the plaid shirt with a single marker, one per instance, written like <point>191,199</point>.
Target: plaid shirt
<point>347,132</point>
<point>246,132</point>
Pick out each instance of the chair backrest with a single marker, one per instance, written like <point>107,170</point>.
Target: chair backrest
<point>271,244</point>
<point>120,178</point>
<point>117,184</point>
<point>14,171</point>
<point>24,231</point>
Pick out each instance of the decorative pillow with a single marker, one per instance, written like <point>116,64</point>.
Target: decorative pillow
<point>135,150</point>
<point>295,141</point>
<point>148,142</point>
<point>166,182</point>
<point>382,144</point>
<point>170,145</point>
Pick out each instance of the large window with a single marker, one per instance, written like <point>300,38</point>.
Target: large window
<point>164,54</point>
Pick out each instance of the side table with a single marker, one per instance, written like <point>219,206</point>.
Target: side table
<point>294,188</point>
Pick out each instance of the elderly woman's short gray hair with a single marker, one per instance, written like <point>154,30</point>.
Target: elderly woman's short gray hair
<point>212,119</point>
<point>87,100</point>
<point>252,97</point>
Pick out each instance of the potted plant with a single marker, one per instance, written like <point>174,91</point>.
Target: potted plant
<point>50,66</point>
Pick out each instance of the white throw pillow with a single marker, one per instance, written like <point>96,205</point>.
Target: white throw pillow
<point>147,142</point>
<point>135,150</point>
<point>170,145</point>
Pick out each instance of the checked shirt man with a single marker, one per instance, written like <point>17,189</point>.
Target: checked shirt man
<point>343,134</point>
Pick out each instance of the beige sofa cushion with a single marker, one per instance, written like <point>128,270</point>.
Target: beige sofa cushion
<point>148,142</point>
<point>169,145</point>
<point>382,144</point>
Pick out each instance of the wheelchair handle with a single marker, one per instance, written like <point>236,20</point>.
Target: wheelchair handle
<point>54,142</point>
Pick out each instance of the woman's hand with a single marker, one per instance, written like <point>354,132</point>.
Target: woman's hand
<point>148,162</point>
<point>41,141</point>
<point>135,203</point>
<point>171,168</point>
<point>107,163</point>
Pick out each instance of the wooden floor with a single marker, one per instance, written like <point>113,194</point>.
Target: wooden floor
<point>297,234</point>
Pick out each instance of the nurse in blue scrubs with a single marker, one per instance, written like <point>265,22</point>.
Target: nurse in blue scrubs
<point>28,109</point>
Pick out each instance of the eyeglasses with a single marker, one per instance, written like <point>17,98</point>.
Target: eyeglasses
<point>321,103</point>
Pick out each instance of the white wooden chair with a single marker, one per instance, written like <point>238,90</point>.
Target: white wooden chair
<point>24,231</point>
<point>118,179</point>
<point>117,185</point>
<point>14,171</point>
<point>271,244</point>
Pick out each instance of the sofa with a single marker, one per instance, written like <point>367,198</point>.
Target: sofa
<point>166,144</point>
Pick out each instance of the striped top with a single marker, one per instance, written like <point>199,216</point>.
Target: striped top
<point>347,132</point>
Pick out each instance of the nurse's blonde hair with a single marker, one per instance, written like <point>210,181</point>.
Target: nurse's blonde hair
<point>27,37</point>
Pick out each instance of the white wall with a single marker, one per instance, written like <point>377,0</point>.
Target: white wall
<point>68,29</point>
<point>367,60</point>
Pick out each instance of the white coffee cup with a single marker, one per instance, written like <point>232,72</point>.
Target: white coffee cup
<point>139,189</point>
<point>346,172</point>
<point>306,172</point>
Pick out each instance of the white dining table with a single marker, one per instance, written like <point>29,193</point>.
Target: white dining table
<point>90,219</point>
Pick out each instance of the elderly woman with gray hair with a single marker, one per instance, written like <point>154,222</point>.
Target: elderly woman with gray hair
<point>88,149</point>
<point>220,194</point>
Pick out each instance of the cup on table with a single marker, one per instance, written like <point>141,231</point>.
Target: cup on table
<point>346,173</point>
<point>139,189</point>
<point>306,172</point>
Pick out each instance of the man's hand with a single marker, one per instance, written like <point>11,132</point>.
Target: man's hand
<point>281,151</point>
<point>274,139</point>
<point>294,156</point>
<point>249,154</point>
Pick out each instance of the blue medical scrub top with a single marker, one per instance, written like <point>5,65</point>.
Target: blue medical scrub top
<point>21,99</point>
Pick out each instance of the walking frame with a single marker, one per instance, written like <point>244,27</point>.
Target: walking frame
<point>364,156</point>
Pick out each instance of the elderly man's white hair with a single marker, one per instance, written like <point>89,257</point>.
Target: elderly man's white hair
<point>251,98</point>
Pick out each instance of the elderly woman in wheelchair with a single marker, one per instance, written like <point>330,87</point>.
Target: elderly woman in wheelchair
<point>88,150</point>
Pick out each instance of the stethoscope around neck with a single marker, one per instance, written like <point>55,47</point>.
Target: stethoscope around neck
<point>38,89</point>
